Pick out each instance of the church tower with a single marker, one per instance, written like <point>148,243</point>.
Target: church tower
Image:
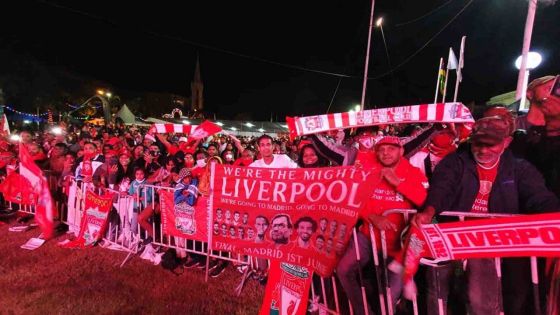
<point>197,99</point>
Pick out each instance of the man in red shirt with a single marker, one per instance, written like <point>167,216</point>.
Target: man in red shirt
<point>399,186</point>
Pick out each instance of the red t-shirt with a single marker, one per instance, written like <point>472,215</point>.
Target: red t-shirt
<point>486,179</point>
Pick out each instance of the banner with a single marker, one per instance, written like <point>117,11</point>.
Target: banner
<point>302,217</point>
<point>287,290</point>
<point>94,220</point>
<point>517,236</point>
<point>183,220</point>
<point>44,209</point>
<point>441,112</point>
<point>18,189</point>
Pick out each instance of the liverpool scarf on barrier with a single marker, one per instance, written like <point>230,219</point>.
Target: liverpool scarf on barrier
<point>287,290</point>
<point>441,112</point>
<point>94,220</point>
<point>519,236</point>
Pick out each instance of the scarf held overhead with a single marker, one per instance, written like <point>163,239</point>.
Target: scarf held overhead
<point>424,113</point>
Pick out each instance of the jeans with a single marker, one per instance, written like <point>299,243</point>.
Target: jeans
<point>348,273</point>
<point>483,287</point>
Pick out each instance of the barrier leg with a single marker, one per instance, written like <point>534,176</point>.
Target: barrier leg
<point>360,276</point>
<point>386,273</point>
<point>337,306</point>
<point>377,270</point>
<point>535,281</point>
<point>498,264</point>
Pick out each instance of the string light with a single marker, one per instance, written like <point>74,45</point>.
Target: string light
<point>22,113</point>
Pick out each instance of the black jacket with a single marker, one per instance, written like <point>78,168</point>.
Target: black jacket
<point>518,189</point>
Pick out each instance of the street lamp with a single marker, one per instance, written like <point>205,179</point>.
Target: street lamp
<point>356,108</point>
<point>534,59</point>
<point>379,24</point>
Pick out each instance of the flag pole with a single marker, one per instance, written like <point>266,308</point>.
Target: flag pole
<point>367,57</point>
<point>438,78</point>
<point>526,45</point>
<point>445,85</point>
<point>459,69</point>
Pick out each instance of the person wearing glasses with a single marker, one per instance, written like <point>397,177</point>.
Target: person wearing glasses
<point>539,143</point>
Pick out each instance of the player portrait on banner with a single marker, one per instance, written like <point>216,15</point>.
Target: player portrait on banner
<point>296,216</point>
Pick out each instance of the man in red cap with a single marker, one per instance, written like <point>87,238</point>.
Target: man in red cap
<point>486,178</point>
<point>399,186</point>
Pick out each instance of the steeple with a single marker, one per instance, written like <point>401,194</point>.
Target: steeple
<point>197,100</point>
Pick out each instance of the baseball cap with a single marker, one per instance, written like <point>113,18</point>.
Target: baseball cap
<point>184,173</point>
<point>490,130</point>
<point>504,113</point>
<point>389,140</point>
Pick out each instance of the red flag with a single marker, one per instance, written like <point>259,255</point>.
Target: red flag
<point>205,129</point>
<point>16,188</point>
<point>44,210</point>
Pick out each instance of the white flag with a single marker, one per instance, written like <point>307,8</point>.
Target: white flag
<point>452,60</point>
<point>461,60</point>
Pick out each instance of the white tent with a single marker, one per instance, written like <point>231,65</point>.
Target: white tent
<point>126,115</point>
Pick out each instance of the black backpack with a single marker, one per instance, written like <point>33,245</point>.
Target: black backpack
<point>170,261</point>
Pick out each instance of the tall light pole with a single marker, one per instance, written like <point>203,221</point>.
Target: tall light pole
<point>525,51</point>
<point>533,60</point>
<point>367,56</point>
<point>379,23</point>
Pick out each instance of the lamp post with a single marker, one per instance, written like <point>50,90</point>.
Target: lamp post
<point>379,23</point>
<point>364,85</point>
<point>533,60</point>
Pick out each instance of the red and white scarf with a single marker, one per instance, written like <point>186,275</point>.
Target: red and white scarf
<point>441,112</point>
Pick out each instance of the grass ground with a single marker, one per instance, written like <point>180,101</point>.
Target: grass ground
<point>53,280</point>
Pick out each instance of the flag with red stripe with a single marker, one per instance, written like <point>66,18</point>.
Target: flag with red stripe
<point>172,128</point>
<point>44,209</point>
<point>204,130</point>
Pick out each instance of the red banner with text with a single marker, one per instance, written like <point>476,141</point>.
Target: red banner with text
<point>183,220</point>
<point>302,217</point>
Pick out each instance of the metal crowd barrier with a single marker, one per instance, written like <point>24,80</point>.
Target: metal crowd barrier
<point>380,264</point>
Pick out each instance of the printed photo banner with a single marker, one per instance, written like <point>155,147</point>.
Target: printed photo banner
<point>94,220</point>
<point>302,217</point>
<point>441,112</point>
<point>183,220</point>
<point>518,236</point>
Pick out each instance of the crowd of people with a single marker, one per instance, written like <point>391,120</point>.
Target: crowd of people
<point>501,164</point>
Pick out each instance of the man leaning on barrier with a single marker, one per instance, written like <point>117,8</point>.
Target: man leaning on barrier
<point>487,178</point>
<point>400,186</point>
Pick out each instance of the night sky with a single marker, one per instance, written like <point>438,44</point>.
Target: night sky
<point>263,57</point>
